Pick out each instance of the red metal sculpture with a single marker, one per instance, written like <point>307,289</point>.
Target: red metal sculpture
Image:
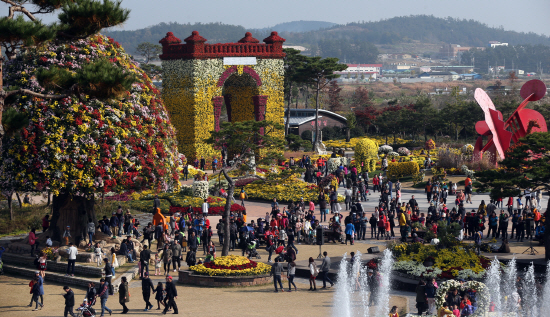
<point>500,133</point>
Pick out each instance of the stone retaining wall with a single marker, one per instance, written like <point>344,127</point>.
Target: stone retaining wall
<point>188,277</point>
<point>53,277</point>
<point>61,267</point>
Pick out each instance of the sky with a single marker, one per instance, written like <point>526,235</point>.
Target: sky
<point>516,15</point>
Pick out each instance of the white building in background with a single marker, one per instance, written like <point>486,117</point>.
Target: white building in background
<point>493,44</point>
<point>356,72</point>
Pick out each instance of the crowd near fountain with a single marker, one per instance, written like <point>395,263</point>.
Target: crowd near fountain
<point>360,291</point>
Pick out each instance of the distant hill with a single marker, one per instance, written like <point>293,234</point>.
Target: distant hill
<point>213,32</point>
<point>299,26</point>
<point>423,28</point>
<point>344,41</point>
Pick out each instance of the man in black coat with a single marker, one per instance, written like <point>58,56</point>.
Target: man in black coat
<point>69,301</point>
<point>144,258</point>
<point>146,287</point>
<point>171,295</point>
<point>203,163</point>
<point>156,202</point>
<point>192,243</point>
<point>413,203</point>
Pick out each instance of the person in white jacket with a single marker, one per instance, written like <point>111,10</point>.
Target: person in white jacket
<point>313,272</point>
<point>72,252</point>
<point>282,238</point>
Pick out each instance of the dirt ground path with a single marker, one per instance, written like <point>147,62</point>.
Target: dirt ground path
<point>192,301</point>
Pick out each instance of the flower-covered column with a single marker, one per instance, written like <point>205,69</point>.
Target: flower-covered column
<point>228,106</point>
<point>217,112</point>
<point>259,108</point>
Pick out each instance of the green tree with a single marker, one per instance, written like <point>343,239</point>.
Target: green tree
<point>152,70</point>
<point>318,72</point>
<point>253,142</point>
<point>149,50</point>
<point>526,165</point>
<point>293,60</point>
<point>351,124</point>
<point>334,98</point>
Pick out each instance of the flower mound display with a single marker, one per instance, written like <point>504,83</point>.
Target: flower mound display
<point>467,149</point>
<point>85,146</point>
<point>231,265</point>
<point>403,151</point>
<point>430,144</point>
<point>385,149</point>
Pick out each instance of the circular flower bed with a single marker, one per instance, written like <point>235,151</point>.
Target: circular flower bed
<point>231,265</point>
<point>480,289</point>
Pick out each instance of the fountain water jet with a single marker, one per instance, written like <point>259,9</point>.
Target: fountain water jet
<point>383,296</point>
<point>510,290</point>
<point>342,300</point>
<point>545,305</point>
<point>529,300</point>
<point>493,284</point>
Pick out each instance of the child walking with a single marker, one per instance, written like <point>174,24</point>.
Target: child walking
<point>157,265</point>
<point>159,294</point>
<point>98,254</point>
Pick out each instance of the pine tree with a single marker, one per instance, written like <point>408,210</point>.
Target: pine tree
<point>21,31</point>
<point>526,165</point>
<point>319,72</point>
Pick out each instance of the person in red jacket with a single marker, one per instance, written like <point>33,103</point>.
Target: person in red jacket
<point>32,241</point>
<point>510,205</point>
<point>381,227</point>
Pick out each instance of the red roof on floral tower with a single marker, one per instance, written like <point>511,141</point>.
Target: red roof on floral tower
<point>196,48</point>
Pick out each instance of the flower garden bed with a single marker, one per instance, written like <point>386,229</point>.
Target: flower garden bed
<point>285,190</point>
<point>426,261</point>
<point>231,265</point>
<point>227,271</point>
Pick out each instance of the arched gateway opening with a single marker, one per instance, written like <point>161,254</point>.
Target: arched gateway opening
<point>198,78</point>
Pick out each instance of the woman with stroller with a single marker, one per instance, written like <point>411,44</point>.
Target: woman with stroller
<point>91,293</point>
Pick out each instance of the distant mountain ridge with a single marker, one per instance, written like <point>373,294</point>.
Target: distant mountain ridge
<point>298,26</point>
<point>312,34</point>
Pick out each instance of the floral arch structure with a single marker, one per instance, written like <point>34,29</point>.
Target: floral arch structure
<point>199,77</point>
<point>482,294</point>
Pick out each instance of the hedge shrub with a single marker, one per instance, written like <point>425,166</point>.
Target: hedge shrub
<point>397,169</point>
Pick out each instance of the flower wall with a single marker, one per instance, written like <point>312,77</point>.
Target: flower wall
<point>85,146</point>
<point>189,86</point>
